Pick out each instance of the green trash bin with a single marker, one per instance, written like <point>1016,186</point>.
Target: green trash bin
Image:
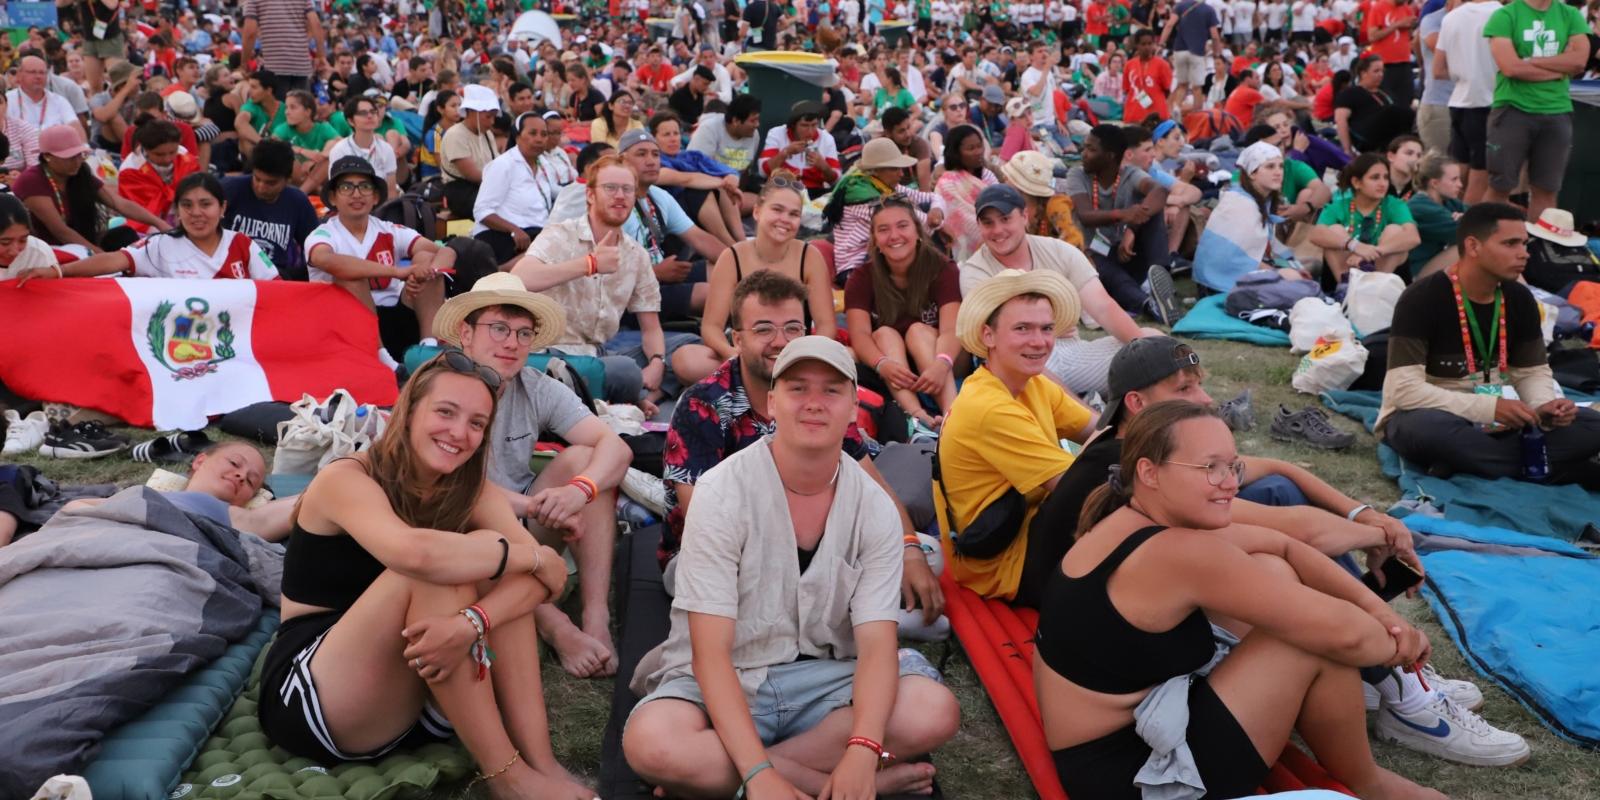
<point>783,78</point>
<point>895,34</point>
<point>1580,187</point>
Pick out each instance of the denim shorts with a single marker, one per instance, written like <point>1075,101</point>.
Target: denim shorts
<point>792,700</point>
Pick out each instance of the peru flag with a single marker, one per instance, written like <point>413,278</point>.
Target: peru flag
<point>167,353</point>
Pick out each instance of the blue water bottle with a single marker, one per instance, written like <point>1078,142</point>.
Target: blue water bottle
<point>1535,457</point>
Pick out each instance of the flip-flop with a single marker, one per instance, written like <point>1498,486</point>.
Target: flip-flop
<point>174,448</point>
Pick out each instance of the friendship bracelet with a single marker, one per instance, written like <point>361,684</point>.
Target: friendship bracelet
<point>911,540</point>
<point>594,267</point>
<point>876,365</point>
<point>477,623</point>
<point>948,361</point>
<point>479,651</point>
<point>538,561</point>
<point>505,554</point>
<point>586,485</point>
<point>484,615</point>
<point>1356,512</point>
<point>750,776</point>
<point>884,757</point>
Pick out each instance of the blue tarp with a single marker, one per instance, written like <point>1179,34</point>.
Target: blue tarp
<point>1209,320</point>
<point>1525,613</point>
<point>1556,511</point>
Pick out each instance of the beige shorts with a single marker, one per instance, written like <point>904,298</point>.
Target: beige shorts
<point>1189,68</point>
<point>115,47</point>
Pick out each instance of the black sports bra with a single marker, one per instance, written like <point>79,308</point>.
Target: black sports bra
<point>330,571</point>
<point>738,271</point>
<point>1086,640</point>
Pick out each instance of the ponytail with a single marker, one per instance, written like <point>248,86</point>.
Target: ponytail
<point>1151,435</point>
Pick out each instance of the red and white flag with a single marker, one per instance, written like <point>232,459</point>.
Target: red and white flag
<point>168,353</point>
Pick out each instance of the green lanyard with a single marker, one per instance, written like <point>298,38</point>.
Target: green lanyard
<point>1477,335</point>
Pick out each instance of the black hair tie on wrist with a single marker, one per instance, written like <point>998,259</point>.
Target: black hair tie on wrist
<point>505,553</point>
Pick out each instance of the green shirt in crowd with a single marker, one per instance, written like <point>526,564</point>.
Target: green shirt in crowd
<point>1436,224</point>
<point>315,139</point>
<point>342,127</point>
<point>1535,34</point>
<point>259,119</point>
<point>1365,227</point>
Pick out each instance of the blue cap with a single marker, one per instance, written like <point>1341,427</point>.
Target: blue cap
<point>1000,196</point>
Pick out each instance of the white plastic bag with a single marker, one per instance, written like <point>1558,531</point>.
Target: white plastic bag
<point>1547,321</point>
<point>1370,300</point>
<point>1312,318</point>
<point>323,431</point>
<point>1333,364</point>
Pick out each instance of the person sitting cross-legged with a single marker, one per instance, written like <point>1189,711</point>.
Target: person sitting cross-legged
<point>573,497</point>
<point>1128,676</point>
<point>1000,450</point>
<point>1120,209</point>
<point>780,676</point>
<point>1462,339</point>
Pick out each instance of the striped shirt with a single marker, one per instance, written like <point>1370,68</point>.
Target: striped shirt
<point>281,34</point>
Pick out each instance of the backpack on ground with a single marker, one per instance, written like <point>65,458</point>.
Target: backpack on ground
<point>411,211</point>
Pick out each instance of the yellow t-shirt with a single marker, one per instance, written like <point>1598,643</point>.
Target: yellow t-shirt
<point>993,442</point>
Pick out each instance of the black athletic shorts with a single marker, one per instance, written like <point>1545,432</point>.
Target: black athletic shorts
<point>291,713</point>
<point>1228,762</point>
<point>1469,136</point>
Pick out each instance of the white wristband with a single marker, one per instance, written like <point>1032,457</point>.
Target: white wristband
<point>1356,512</point>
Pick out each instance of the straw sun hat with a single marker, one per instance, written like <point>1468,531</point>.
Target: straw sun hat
<point>501,289</point>
<point>993,293</point>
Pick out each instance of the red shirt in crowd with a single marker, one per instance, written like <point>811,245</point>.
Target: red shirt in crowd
<point>1396,47</point>
<point>1242,103</point>
<point>1146,81</point>
<point>657,77</point>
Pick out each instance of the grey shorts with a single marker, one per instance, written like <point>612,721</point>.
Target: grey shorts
<point>792,700</point>
<point>1188,68</point>
<point>114,47</point>
<point>1542,141</point>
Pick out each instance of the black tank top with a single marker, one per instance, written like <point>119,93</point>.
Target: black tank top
<point>738,274</point>
<point>1086,640</point>
<point>327,571</point>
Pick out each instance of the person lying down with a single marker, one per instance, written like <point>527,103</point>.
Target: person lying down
<point>223,479</point>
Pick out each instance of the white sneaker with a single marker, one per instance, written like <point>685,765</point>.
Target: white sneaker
<point>24,434</point>
<point>1450,732</point>
<point>1463,693</point>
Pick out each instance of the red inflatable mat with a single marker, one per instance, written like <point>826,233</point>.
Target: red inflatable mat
<point>998,640</point>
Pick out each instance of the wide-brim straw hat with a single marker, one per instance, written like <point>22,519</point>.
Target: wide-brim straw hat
<point>1555,225</point>
<point>994,292</point>
<point>1032,172</point>
<point>501,289</point>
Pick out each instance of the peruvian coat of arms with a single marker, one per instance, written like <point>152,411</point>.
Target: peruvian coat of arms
<point>189,342</point>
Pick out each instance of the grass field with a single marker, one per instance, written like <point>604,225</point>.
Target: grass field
<point>980,763</point>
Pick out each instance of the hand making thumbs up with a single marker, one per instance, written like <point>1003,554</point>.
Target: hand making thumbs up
<point>607,258</point>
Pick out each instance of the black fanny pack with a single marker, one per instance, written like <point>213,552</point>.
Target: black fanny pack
<point>992,530</point>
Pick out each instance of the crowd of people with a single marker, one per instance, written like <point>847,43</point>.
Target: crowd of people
<point>978,189</point>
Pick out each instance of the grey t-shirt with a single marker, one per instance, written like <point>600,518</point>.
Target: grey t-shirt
<point>532,404</point>
<point>1435,91</point>
<point>711,137</point>
<point>1121,194</point>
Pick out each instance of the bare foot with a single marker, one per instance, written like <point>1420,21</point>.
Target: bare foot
<point>1388,786</point>
<point>522,781</point>
<point>599,629</point>
<point>906,779</point>
<point>582,656</point>
<point>566,785</point>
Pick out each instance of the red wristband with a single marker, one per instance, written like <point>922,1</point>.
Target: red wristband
<point>485,615</point>
<point>884,758</point>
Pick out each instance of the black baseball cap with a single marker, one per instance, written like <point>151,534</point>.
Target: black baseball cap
<point>1142,363</point>
<point>1001,196</point>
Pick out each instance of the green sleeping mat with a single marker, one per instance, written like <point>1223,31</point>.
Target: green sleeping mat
<point>238,763</point>
<point>142,759</point>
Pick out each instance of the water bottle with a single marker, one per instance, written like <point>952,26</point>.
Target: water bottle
<point>634,513</point>
<point>1535,456</point>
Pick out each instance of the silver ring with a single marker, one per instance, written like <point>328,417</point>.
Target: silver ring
<point>416,662</point>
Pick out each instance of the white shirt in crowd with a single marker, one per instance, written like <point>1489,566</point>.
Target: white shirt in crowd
<point>52,109</point>
<point>1467,53</point>
<point>236,256</point>
<point>723,87</point>
<point>380,155</point>
<point>1044,105</point>
<point>383,243</point>
<point>850,13</point>
<point>515,191</point>
<point>1275,12</point>
<point>1305,15</point>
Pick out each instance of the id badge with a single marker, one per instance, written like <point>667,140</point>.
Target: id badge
<point>1491,390</point>
<point>100,29</point>
<point>1100,245</point>
<point>1143,99</point>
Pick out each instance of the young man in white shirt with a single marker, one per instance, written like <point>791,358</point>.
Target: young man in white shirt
<point>1038,86</point>
<point>787,592</point>
<point>363,253</point>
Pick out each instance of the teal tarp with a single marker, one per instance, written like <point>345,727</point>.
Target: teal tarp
<point>1209,320</point>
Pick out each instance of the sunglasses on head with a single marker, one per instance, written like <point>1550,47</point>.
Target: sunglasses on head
<point>462,364</point>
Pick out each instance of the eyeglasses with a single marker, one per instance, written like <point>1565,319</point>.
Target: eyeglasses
<point>347,188</point>
<point>895,200</point>
<point>459,363</point>
<point>765,331</point>
<point>365,112</point>
<point>619,189</point>
<point>498,331</point>
<point>1217,472</point>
